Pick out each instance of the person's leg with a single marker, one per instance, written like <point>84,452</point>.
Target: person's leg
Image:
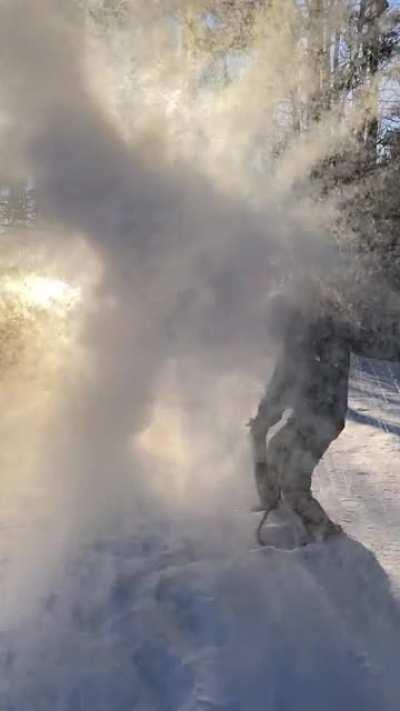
<point>292,454</point>
<point>270,411</point>
<point>310,442</point>
<point>267,483</point>
<point>318,419</point>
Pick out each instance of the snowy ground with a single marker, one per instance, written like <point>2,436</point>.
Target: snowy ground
<point>161,621</point>
<point>360,481</point>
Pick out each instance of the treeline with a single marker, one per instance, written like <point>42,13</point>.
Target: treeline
<point>332,77</point>
<point>337,53</point>
<point>18,205</point>
<point>337,63</point>
<point>332,68</point>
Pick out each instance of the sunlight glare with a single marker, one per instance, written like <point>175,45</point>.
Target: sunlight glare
<point>43,292</point>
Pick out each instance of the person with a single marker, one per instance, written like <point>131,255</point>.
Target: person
<point>309,386</point>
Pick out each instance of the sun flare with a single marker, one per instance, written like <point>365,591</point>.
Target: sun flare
<point>43,292</point>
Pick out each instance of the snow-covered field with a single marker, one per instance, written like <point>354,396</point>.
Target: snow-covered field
<point>168,619</point>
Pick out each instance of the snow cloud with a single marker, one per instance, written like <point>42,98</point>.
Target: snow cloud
<point>130,402</point>
<point>179,243</point>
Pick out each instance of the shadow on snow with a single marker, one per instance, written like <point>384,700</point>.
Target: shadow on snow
<point>145,629</point>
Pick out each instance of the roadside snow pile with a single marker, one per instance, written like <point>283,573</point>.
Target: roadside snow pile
<point>147,624</point>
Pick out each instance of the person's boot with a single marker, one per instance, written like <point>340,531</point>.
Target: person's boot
<point>321,532</point>
<point>317,523</point>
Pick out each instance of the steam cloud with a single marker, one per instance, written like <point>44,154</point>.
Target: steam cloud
<point>187,251</point>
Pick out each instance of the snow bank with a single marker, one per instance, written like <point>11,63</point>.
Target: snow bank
<point>146,624</point>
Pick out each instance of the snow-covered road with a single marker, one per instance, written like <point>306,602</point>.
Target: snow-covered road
<point>159,621</point>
